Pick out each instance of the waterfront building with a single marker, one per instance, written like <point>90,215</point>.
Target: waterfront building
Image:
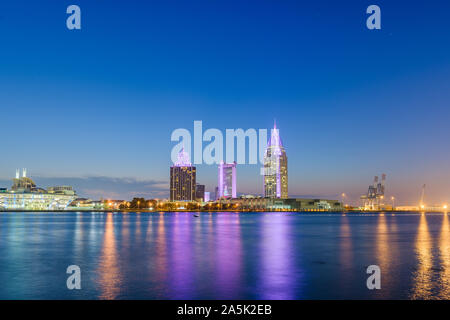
<point>248,203</point>
<point>423,208</point>
<point>87,204</point>
<point>227,180</point>
<point>25,195</point>
<point>275,167</point>
<point>207,196</point>
<point>200,192</point>
<point>182,179</point>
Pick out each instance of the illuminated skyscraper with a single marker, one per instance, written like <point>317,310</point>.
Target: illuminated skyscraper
<point>182,179</point>
<point>227,180</point>
<point>275,167</point>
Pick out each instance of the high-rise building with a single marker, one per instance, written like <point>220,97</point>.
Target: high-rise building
<point>200,192</point>
<point>216,193</point>
<point>275,168</point>
<point>182,179</point>
<point>227,180</point>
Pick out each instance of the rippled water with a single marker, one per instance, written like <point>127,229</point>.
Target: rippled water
<point>224,255</point>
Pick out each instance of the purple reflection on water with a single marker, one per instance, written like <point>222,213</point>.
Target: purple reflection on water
<point>277,274</point>
<point>182,273</point>
<point>223,255</point>
<point>228,256</point>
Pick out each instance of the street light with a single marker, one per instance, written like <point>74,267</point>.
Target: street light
<point>393,201</point>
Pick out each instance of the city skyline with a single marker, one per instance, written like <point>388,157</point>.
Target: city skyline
<point>351,102</point>
<point>163,189</point>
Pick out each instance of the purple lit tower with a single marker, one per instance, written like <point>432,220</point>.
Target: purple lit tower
<point>227,180</point>
<point>275,167</point>
<point>182,179</point>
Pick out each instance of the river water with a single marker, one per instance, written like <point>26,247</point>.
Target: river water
<point>224,255</point>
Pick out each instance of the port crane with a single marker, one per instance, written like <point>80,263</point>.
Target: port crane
<point>373,200</point>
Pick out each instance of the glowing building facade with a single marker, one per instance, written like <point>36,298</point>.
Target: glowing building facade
<point>25,195</point>
<point>226,186</point>
<point>275,168</point>
<point>182,179</point>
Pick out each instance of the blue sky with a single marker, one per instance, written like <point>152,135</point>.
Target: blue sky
<point>100,104</point>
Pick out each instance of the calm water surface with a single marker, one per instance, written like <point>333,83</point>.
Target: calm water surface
<point>224,255</point>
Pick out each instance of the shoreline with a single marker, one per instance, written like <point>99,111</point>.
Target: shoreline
<point>228,211</point>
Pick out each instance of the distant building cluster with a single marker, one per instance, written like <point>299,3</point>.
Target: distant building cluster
<point>186,193</point>
<point>184,187</point>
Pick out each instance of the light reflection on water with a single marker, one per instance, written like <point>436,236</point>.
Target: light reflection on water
<point>224,256</point>
<point>228,257</point>
<point>385,253</point>
<point>108,268</point>
<point>276,270</point>
<point>423,284</point>
<point>345,251</point>
<point>444,247</point>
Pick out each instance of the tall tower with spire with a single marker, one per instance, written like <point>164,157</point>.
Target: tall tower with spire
<point>275,167</point>
<point>182,178</point>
